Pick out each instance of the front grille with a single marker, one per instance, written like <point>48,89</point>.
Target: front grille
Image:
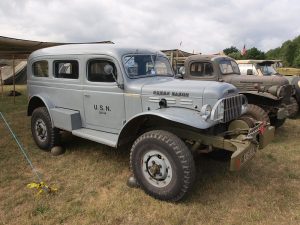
<point>229,108</point>
<point>232,107</point>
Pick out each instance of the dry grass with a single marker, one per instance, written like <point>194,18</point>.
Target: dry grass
<point>91,179</point>
<point>289,71</point>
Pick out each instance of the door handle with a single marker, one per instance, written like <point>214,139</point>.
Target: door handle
<point>87,95</point>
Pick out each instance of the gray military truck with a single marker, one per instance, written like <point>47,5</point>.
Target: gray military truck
<point>263,68</point>
<point>127,96</point>
<point>268,97</point>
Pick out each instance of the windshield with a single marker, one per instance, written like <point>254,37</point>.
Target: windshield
<point>147,65</point>
<point>229,67</point>
<point>267,70</point>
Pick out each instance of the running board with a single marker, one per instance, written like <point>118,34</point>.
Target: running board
<point>97,136</point>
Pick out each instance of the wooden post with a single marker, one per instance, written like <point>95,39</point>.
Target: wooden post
<point>14,82</point>
<point>177,60</point>
<point>1,82</point>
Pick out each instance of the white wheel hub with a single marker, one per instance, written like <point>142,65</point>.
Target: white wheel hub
<point>156,168</point>
<point>41,130</point>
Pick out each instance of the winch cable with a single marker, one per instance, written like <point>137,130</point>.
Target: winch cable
<point>40,186</point>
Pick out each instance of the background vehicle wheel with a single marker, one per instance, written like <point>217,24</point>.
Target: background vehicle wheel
<point>277,122</point>
<point>257,113</point>
<point>163,165</point>
<point>43,134</point>
<point>294,108</point>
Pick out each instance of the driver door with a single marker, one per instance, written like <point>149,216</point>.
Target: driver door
<point>103,99</point>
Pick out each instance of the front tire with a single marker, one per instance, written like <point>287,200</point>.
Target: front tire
<point>257,113</point>
<point>44,135</point>
<point>294,108</point>
<point>163,165</point>
<point>277,122</point>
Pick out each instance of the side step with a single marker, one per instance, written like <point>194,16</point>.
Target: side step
<point>97,136</point>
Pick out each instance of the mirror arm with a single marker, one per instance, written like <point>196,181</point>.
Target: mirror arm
<point>121,86</point>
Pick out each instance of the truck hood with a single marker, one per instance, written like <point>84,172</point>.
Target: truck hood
<point>248,82</point>
<point>187,88</point>
<point>189,94</point>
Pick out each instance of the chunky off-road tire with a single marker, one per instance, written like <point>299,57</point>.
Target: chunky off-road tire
<point>43,134</point>
<point>277,122</point>
<point>163,165</point>
<point>294,108</point>
<point>257,113</point>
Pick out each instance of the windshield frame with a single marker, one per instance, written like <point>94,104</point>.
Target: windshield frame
<point>238,72</point>
<point>155,61</point>
<point>261,66</point>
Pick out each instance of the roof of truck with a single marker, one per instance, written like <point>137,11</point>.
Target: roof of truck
<point>207,57</point>
<point>92,49</point>
<point>253,61</point>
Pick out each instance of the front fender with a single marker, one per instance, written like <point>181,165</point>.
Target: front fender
<point>257,94</point>
<point>175,115</point>
<point>179,115</point>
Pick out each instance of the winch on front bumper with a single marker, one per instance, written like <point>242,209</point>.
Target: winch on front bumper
<point>244,143</point>
<point>247,145</point>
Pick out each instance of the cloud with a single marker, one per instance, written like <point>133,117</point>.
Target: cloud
<point>202,26</point>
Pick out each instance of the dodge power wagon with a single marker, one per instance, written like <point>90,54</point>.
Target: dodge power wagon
<point>263,68</point>
<point>269,98</point>
<point>129,97</point>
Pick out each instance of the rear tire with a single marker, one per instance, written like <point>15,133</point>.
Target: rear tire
<point>44,135</point>
<point>162,165</point>
<point>257,113</point>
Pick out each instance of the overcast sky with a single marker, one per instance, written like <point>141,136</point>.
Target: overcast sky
<point>206,26</point>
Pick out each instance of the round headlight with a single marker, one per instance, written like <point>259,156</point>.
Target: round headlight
<point>280,92</point>
<point>205,111</point>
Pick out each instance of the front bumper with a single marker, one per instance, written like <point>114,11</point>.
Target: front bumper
<point>247,148</point>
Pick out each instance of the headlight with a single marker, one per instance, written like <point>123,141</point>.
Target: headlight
<point>218,111</point>
<point>205,111</point>
<point>280,92</point>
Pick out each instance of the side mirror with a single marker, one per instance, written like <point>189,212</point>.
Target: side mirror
<point>249,72</point>
<point>181,70</point>
<point>108,69</point>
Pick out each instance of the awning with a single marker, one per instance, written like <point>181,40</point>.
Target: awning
<point>20,49</point>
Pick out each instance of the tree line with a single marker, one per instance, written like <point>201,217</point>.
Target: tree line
<point>289,53</point>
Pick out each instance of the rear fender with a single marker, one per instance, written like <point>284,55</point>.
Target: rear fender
<point>38,101</point>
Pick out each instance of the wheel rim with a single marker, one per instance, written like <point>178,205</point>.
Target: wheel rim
<point>156,168</point>
<point>41,130</point>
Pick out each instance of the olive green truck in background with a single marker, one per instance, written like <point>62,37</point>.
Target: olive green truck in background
<point>269,98</point>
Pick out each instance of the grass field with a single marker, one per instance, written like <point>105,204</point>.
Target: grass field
<point>91,181</point>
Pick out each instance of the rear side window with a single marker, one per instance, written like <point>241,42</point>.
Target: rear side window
<point>201,69</point>
<point>40,68</point>
<point>66,69</point>
<point>96,71</point>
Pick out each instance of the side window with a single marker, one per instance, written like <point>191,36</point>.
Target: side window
<point>96,71</point>
<point>201,69</point>
<point>40,68</point>
<point>68,69</point>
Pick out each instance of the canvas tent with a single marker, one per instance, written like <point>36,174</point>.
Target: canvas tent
<point>13,55</point>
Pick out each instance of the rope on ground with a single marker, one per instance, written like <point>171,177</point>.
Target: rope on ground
<point>40,186</point>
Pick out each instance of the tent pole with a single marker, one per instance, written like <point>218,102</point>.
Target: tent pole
<point>1,81</point>
<point>14,83</point>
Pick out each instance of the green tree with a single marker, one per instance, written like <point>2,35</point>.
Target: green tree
<point>289,53</point>
<point>235,55</point>
<point>230,50</point>
<point>254,53</point>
